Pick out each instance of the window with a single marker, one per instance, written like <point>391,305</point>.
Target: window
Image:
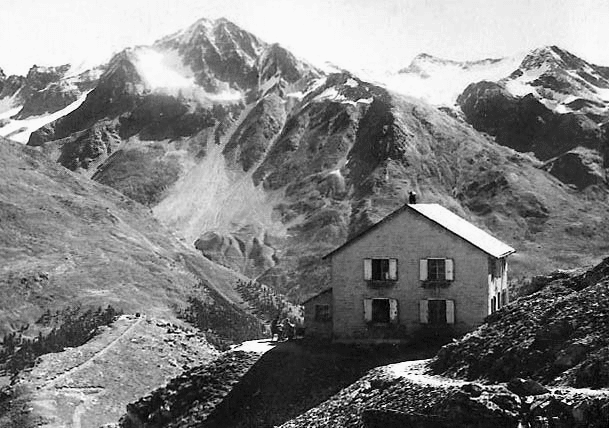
<point>381,311</point>
<point>322,313</point>
<point>496,267</point>
<point>380,269</point>
<point>437,312</point>
<point>436,269</point>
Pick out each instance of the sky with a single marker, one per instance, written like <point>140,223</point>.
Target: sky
<point>355,34</point>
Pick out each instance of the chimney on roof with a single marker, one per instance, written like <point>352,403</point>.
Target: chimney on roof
<point>412,197</point>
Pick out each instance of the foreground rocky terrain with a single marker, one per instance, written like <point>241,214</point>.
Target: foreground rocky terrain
<point>90,386</point>
<point>247,389</point>
<point>559,331</point>
<point>540,361</point>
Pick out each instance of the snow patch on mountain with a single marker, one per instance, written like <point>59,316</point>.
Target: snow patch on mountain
<point>603,93</point>
<point>440,82</point>
<point>8,111</point>
<point>20,130</point>
<point>163,70</point>
<point>332,94</point>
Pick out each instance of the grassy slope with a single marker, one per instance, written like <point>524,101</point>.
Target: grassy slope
<point>66,240</point>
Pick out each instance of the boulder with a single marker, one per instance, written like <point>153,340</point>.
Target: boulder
<point>525,387</point>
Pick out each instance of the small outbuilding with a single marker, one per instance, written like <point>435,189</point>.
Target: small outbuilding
<point>318,315</point>
<point>422,269</point>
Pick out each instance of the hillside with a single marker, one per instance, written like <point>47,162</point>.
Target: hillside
<point>90,385</point>
<point>264,162</point>
<point>67,240</point>
<point>69,245</point>
<point>560,331</point>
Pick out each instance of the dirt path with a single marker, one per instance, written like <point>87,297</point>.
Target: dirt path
<point>89,386</point>
<point>88,362</point>
<point>296,376</point>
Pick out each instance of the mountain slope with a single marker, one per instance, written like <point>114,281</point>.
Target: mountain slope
<point>66,240</point>
<point>44,95</point>
<point>555,105</point>
<point>265,163</point>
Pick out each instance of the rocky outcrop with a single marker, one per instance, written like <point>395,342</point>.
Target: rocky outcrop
<point>9,85</point>
<point>249,143</point>
<point>89,148</point>
<point>559,330</point>
<point>525,124</point>
<point>188,399</point>
<point>245,251</point>
<point>580,167</point>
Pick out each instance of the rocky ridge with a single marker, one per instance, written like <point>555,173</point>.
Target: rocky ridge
<point>43,95</point>
<point>555,105</point>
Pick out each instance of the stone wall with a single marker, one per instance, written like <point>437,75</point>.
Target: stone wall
<point>409,237</point>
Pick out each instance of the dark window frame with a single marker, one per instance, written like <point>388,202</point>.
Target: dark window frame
<point>322,312</point>
<point>436,312</point>
<point>436,269</point>
<point>380,269</point>
<point>381,311</point>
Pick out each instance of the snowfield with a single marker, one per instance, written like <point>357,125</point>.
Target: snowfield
<point>20,130</point>
<point>440,82</point>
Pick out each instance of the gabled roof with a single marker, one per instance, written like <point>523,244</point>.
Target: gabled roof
<point>451,222</point>
<point>327,290</point>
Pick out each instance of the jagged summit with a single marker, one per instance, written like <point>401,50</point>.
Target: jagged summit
<point>424,61</point>
<point>553,57</point>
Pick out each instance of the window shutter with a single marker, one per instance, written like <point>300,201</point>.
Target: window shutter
<point>448,269</point>
<point>393,269</point>
<point>450,312</point>
<point>368,310</point>
<point>367,269</point>
<point>423,269</point>
<point>393,311</point>
<point>423,312</point>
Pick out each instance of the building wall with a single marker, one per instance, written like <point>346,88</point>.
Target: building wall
<point>408,237</point>
<point>314,328</point>
<point>498,295</point>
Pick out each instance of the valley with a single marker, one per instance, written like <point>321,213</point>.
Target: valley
<point>194,184</point>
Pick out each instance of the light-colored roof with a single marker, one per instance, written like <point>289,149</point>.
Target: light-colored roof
<point>450,221</point>
<point>464,229</point>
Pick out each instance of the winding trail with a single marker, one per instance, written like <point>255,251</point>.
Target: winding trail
<point>90,360</point>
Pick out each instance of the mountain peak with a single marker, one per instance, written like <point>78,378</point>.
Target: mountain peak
<point>423,64</point>
<point>552,57</point>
